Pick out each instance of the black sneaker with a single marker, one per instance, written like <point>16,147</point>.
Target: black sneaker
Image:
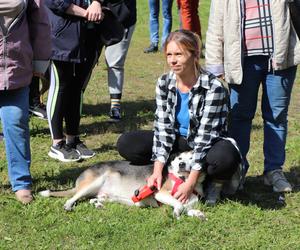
<point>39,111</point>
<point>153,48</point>
<point>115,115</point>
<point>213,193</point>
<point>81,148</point>
<point>63,152</point>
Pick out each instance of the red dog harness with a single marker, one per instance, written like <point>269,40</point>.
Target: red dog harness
<point>178,181</point>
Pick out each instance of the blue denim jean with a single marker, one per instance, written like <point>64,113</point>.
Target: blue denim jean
<point>14,105</point>
<point>154,6</point>
<point>276,93</point>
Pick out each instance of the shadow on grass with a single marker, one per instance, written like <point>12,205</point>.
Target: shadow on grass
<point>134,115</point>
<point>256,193</point>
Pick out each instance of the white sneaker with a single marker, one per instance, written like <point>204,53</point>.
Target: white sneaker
<point>63,152</point>
<point>277,179</point>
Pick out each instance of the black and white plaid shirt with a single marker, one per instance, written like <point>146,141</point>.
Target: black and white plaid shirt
<point>208,109</point>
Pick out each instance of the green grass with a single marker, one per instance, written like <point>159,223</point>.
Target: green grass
<point>253,219</point>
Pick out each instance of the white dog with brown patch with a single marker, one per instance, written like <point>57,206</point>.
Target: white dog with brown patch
<point>117,181</point>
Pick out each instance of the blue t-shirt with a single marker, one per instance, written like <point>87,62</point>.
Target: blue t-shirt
<point>182,112</point>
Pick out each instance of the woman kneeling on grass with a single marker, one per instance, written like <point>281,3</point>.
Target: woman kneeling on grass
<point>191,114</point>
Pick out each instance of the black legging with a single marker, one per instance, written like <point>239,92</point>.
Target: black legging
<point>64,99</point>
<point>222,159</point>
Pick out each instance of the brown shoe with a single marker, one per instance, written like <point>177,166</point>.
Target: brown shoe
<point>24,196</point>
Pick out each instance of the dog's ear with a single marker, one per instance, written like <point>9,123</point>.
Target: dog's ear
<point>172,156</point>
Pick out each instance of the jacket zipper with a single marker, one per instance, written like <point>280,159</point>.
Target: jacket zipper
<point>5,63</point>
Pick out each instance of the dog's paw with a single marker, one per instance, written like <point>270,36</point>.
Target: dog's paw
<point>102,197</point>
<point>196,213</point>
<point>68,206</point>
<point>97,203</point>
<point>178,211</point>
<point>45,193</point>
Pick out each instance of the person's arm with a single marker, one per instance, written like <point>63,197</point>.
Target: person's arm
<point>164,134</point>
<point>76,10</point>
<point>156,176</point>
<point>186,189</point>
<point>214,44</point>
<point>164,131</point>
<point>94,12</point>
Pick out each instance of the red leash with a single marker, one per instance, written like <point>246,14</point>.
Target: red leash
<point>143,192</point>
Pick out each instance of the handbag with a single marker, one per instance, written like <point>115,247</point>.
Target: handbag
<point>294,6</point>
<point>110,30</point>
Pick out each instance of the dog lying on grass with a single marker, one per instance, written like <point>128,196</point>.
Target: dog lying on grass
<point>117,181</point>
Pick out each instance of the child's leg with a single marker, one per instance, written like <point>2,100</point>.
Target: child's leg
<point>74,95</point>
<point>61,77</point>
<point>58,107</point>
<point>115,56</point>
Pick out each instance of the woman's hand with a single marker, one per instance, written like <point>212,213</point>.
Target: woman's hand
<point>156,176</point>
<point>186,189</point>
<point>94,12</point>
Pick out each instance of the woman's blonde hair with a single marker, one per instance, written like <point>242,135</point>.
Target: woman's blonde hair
<point>187,40</point>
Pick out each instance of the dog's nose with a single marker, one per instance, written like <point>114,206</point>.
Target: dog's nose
<point>181,165</point>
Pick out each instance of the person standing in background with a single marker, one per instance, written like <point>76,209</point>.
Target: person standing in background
<point>252,43</point>
<point>189,18</point>
<point>36,106</point>
<point>25,49</point>
<point>115,56</point>
<point>75,44</point>
<point>154,6</point>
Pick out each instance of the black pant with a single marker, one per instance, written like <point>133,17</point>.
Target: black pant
<point>34,92</point>
<point>65,98</point>
<point>222,160</point>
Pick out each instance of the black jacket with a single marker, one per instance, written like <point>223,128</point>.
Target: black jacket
<point>67,31</point>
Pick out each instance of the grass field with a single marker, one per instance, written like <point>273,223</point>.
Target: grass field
<point>253,219</point>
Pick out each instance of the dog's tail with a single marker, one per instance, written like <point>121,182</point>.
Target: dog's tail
<point>64,193</point>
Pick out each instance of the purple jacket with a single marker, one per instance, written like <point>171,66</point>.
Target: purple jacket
<point>25,47</point>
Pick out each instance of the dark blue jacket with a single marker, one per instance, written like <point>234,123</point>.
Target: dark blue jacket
<point>68,31</point>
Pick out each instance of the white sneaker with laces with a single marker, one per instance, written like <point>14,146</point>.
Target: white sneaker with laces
<point>277,179</point>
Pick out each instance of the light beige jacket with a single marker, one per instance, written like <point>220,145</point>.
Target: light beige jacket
<point>224,39</point>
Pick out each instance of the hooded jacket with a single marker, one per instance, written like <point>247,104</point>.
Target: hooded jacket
<point>25,44</point>
<point>224,39</point>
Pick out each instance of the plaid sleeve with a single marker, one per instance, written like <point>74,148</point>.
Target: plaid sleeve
<point>164,133</point>
<point>212,122</point>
